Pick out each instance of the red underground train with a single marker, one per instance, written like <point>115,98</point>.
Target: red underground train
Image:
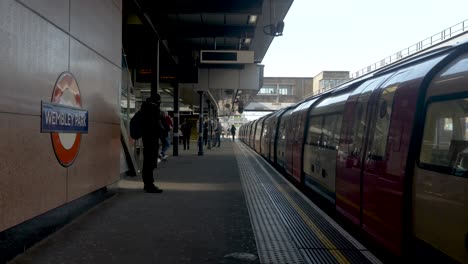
<point>389,150</point>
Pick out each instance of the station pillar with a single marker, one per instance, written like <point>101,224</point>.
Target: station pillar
<point>200,126</point>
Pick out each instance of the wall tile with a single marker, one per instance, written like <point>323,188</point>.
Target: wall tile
<point>31,179</point>
<point>57,11</point>
<point>98,24</point>
<point>33,53</point>
<point>99,83</point>
<point>97,164</point>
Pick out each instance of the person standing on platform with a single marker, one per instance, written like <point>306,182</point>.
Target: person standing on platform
<point>165,138</point>
<point>151,131</point>
<point>218,131</point>
<point>205,132</point>
<point>233,132</point>
<point>181,135</point>
<point>186,129</point>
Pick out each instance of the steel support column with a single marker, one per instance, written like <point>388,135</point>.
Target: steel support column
<point>209,125</point>
<point>175,139</point>
<point>155,70</point>
<point>200,126</point>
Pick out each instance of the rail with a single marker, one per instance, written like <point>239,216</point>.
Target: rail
<point>426,43</point>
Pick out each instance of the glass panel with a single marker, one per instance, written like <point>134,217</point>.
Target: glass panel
<point>328,130</point>
<point>315,131</point>
<point>337,131</point>
<point>382,123</point>
<point>445,141</point>
<point>359,128</point>
<point>285,89</point>
<point>268,89</point>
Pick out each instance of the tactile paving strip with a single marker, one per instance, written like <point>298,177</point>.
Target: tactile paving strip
<point>315,237</point>
<point>274,243</point>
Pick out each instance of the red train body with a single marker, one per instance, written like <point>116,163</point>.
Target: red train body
<point>388,150</point>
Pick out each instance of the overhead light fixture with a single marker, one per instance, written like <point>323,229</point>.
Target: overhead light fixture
<point>247,40</point>
<point>252,19</point>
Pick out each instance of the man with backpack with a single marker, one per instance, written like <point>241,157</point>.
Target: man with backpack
<point>151,131</point>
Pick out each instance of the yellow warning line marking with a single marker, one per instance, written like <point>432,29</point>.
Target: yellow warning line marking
<point>323,238</point>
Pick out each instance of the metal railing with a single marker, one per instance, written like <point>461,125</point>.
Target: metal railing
<point>426,43</point>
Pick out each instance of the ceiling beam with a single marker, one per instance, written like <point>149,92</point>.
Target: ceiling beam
<point>208,31</point>
<point>206,6</point>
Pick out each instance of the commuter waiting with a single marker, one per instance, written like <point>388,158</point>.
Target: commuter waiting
<point>233,132</point>
<point>218,131</point>
<point>166,123</point>
<point>186,129</point>
<point>151,131</point>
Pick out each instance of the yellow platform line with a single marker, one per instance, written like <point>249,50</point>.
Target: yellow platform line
<point>323,238</point>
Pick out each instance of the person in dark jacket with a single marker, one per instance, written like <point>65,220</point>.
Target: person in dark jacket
<point>186,129</point>
<point>233,132</point>
<point>151,130</point>
<point>205,132</point>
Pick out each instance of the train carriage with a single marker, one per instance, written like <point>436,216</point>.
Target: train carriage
<point>266,135</point>
<point>275,124</point>
<point>284,128</point>
<point>389,150</point>
<point>295,139</point>
<point>259,134</point>
<point>440,183</point>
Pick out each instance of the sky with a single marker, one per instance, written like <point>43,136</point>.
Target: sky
<point>348,35</point>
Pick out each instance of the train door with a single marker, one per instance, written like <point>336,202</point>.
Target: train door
<point>296,152</point>
<point>265,137</point>
<point>382,199</point>
<point>440,185</point>
<point>258,136</point>
<point>290,138</point>
<point>254,134</point>
<point>290,130</point>
<point>274,138</point>
<point>298,143</point>
<point>352,149</point>
<point>283,131</point>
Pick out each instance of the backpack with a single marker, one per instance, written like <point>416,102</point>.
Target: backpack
<point>136,125</point>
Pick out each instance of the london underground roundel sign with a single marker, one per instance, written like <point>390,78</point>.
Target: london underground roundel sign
<point>64,118</point>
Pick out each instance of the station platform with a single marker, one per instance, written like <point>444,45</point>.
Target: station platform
<point>227,206</point>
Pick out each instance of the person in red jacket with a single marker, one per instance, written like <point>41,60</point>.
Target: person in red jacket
<point>166,135</point>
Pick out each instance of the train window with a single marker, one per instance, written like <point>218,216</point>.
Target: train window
<point>314,136</point>
<point>331,131</point>
<point>327,130</point>
<point>382,123</point>
<point>445,141</point>
<point>337,130</point>
<point>359,125</point>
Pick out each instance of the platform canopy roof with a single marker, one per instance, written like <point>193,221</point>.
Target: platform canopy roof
<point>185,27</point>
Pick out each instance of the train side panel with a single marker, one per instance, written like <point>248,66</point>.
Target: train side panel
<point>274,136</point>
<point>283,130</point>
<point>440,189</point>
<point>321,144</point>
<point>298,142</point>
<point>259,134</point>
<point>253,133</point>
<point>351,151</point>
<point>266,135</point>
<point>394,108</point>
